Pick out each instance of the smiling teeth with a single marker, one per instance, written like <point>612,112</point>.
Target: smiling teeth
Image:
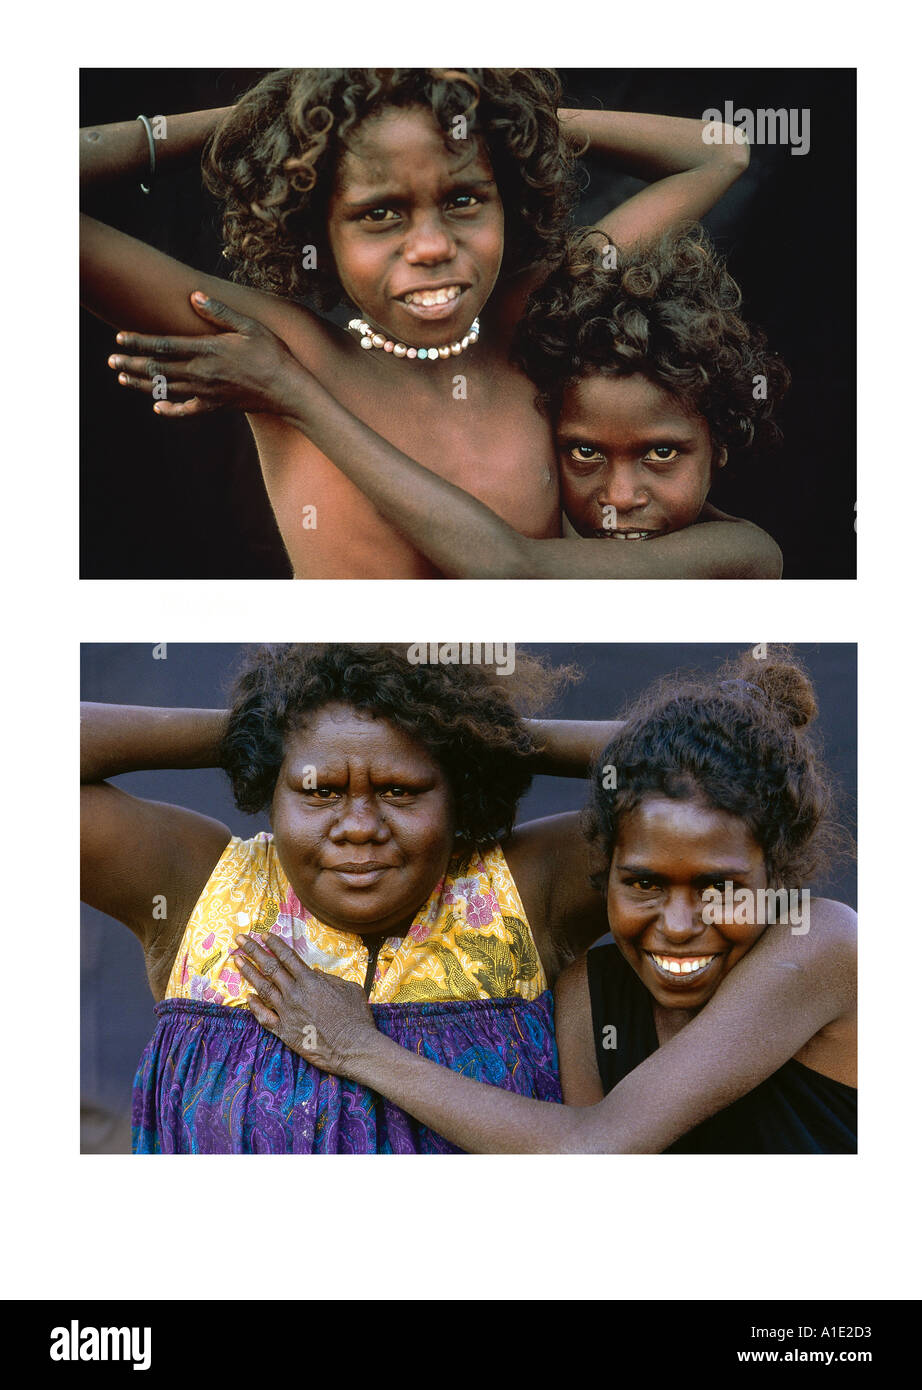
<point>632,535</point>
<point>689,966</point>
<point>429,298</point>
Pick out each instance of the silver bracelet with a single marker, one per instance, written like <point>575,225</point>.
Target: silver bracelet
<point>153,153</point>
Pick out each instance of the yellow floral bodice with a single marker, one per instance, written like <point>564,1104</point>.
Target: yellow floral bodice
<point>470,940</point>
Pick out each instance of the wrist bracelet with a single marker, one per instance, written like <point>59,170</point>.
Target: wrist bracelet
<point>153,153</point>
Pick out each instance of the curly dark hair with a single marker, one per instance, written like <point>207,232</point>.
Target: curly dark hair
<point>273,161</point>
<point>738,741</point>
<point>468,718</point>
<point>668,311</point>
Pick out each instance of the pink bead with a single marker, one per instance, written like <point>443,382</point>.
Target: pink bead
<point>411,352</point>
<point>388,346</point>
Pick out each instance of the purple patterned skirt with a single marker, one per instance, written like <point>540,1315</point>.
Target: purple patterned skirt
<point>213,1080</point>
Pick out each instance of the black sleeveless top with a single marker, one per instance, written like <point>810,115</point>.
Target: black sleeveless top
<point>795,1110</point>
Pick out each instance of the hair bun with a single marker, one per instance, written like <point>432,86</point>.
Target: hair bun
<point>786,687</point>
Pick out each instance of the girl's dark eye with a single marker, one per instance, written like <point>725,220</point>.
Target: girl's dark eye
<point>663,453</point>
<point>584,453</point>
<point>465,200</point>
<point>397,791</point>
<point>644,885</point>
<point>380,215</point>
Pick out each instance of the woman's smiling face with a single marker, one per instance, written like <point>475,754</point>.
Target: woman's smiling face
<point>363,821</point>
<point>633,462</point>
<point>416,228</point>
<point>668,854</point>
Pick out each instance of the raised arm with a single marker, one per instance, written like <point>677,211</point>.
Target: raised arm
<point>132,850</point>
<point>570,747</point>
<point>779,996</point>
<point>688,164</point>
<point>123,280</point>
<point>121,149</point>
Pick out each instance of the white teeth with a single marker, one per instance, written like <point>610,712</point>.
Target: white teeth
<point>692,965</point>
<point>631,535</point>
<point>429,298</point>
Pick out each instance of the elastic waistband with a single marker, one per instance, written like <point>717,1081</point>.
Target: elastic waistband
<point>239,1015</point>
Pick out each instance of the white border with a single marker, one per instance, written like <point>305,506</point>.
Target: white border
<point>109,1228</point>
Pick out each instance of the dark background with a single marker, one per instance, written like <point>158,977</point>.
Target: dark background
<point>116,1012</point>
<point>185,499</point>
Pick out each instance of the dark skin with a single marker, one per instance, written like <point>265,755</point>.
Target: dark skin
<point>133,850</point>
<point>406,213</point>
<point>378,796</point>
<point>635,466</point>
<point>363,843</point>
<point>666,858</point>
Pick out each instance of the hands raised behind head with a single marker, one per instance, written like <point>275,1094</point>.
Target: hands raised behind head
<point>325,1020</point>
<point>245,366</point>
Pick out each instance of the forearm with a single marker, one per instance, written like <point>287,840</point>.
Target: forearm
<point>119,150</point>
<point>479,1118</point>
<point>475,1117</point>
<point>651,147</point>
<point>725,549</point>
<point>456,532</point>
<point>784,991</point>
<point>570,747</point>
<point>130,738</point>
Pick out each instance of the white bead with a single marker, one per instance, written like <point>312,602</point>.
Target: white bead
<point>366,342</point>
<point>465,341</point>
<point>455,349</point>
<point>355,323</point>
<point>444,351</point>
<point>379,340</point>
<point>400,349</point>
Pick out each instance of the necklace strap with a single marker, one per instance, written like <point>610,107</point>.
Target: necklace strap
<point>371,339</point>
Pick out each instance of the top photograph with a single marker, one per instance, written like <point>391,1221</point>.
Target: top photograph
<point>467,323</point>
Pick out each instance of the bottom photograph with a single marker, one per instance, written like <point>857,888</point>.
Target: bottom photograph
<point>482,897</point>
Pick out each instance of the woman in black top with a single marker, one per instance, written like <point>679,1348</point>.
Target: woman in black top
<point>709,813</point>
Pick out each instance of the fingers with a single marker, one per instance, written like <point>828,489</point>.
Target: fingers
<point>135,381</point>
<point>138,366</point>
<point>215,312</point>
<point>167,349</point>
<point>177,410</point>
<point>263,985</point>
<point>288,959</point>
<point>145,374</point>
<point>263,967</point>
<point>264,1015</point>
<point>141,372</point>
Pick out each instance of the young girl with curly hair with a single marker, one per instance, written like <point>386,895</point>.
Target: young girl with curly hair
<point>432,201</point>
<point>652,380</point>
<point>709,794</point>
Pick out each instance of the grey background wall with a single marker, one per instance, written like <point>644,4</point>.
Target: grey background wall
<point>116,1015</point>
